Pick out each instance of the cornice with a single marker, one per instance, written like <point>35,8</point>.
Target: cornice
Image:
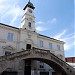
<point>51,39</point>
<point>8,27</point>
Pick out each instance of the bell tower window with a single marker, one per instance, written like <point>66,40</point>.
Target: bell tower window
<point>29,25</point>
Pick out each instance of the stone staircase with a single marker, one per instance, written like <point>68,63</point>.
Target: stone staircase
<point>6,61</point>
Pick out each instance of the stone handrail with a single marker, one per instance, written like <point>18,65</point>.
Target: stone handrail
<point>62,63</point>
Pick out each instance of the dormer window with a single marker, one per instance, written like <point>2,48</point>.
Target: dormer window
<point>29,25</point>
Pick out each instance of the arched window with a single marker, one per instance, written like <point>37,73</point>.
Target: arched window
<point>29,24</point>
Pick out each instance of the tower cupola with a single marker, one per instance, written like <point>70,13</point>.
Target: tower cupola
<point>30,5</point>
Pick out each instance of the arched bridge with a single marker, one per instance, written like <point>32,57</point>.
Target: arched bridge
<point>37,54</point>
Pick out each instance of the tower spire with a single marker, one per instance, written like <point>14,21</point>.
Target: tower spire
<point>29,0</point>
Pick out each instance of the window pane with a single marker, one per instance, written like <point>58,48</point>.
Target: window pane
<point>29,24</point>
<point>10,36</point>
<point>50,45</point>
<point>41,43</point>
<point>41,64</point>
<point>7,53</point>
<point>58,47</point>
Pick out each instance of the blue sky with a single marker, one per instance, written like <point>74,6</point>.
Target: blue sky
<point>54,18</point>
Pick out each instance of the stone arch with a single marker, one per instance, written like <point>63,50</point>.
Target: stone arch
<point>55,66</point>
<point>51,60</point>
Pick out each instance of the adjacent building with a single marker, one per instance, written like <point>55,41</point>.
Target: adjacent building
<point>70,61</point>
<point>14,39</point>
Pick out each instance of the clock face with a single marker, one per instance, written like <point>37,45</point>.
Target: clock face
<point>30,10</point>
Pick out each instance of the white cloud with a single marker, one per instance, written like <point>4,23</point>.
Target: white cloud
<point>52,21</point>
<point>39,22</point>
<point>72,64</point>
<point>10,8</point>
<point>39,28</point>
<point>16,14</point>
<point>60,35</point>
<point>68,39</point>
<point>69,42</point>
<point>74,42</point>
<point>43,26</point>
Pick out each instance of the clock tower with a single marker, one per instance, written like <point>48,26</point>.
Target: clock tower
<point>28,19</point>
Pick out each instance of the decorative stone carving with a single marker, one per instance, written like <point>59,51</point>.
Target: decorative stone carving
<point>60,56</point>
<point>8,47</point>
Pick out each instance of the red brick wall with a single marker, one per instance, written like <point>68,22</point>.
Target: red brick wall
<point>70,59</point>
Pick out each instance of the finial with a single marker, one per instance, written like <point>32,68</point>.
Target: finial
<point>29,0</point>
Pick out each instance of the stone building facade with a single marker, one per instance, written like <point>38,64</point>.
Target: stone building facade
<point>14,39</point>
